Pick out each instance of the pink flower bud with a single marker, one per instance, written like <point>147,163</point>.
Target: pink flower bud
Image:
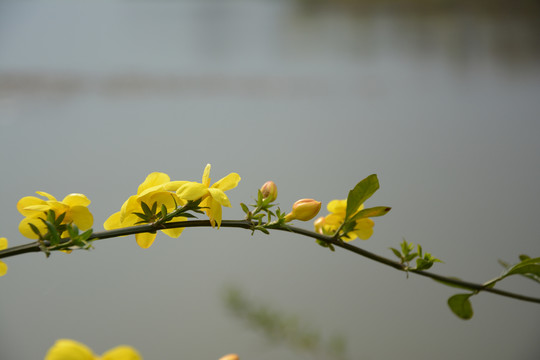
<point>269,191</point>
<point>304,210</point>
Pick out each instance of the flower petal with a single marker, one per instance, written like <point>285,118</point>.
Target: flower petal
<point>228,182</point>
<point>122,352</point>
<point>65,349</point>
<point>337,206</point>
<point>3,243</point>
<point>364,228</point>
<point>3,268</point>
<point>153,179</point>
<point>26,230</point>
<point>214,213</point>
<point>192,191</point>
<point>47,195</point>
<point>76,199</point>
<point>113,222</point>
<point>219,196</point>
<point>81,216</point>
<point>206,175</point>
<point>174,233</point>
<point>29,201</point>
<point>145,240</point>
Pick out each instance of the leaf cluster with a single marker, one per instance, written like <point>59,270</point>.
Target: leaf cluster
<point>262,217</point>
<point>406,254</point>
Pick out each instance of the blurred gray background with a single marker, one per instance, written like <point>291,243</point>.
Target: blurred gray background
<point>440,100</point>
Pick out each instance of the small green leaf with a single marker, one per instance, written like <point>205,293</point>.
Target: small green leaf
<point>244,207</point>
<point>461,306</point>
<point>423,264</point>
<point>60,218</point>
<point>397,253</point>
<point>410,257</point>
<point>154,207</point>
<point>527,266</point>
<point>51,216</point>
<point>361,192</point>
<point>142,216</point>
<point>371,212</point>
<point>86,235</point>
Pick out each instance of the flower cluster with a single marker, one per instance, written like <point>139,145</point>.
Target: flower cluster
<point>66,349</point>
<point>73,209</point>
<point>329,224</point>
<point>159,192</point>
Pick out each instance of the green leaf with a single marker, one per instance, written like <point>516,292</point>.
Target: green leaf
<point>73,231</point>
<point>51,216</point>
<point>154,207</point>
<point>361,192</point>
<point>142,216</point>
<point>60,218</point>
<point>409,257</point>
<point>527,266</point>
<point>371,212</point>
<point>461,306</point>
<point>244,207</point>
<point>423,264</point>
<point>397,253</point>
<point>163,210</point>
<point>85,235</point>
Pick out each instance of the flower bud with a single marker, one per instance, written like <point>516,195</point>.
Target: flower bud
<point>304,210</point>
<point>229,357</point>
<point>269,191</point>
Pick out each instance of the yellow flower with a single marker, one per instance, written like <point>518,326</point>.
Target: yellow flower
<point>66,349</point>
<point>74,206</point>
<point>156,188</point>
<point>213,197</point>
<point>331,223</point>
<point>3,266</point>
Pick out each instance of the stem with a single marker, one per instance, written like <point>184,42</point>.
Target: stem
<point>245,224</point>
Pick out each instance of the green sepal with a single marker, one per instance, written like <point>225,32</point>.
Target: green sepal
<point>147,212</point>
<point>34,229</point>
<point>461,306</point>
<point>361,192</point>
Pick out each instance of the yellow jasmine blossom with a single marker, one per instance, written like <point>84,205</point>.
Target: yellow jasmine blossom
<point>66,349</point>
<point>3,245</point>
<point>74,206</point>
<point>156,188</point>
<point>331,223</point>
<point>213,197</point>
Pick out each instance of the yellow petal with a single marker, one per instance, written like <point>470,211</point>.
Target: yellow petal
<point>192,191</point>
<point>228,182</point>
<point>81,216</point>
<point>174,233</point>
<point>122,352</point>
<point>76,199</point>
<point>26,231</point>
<point>29,201</point>
<point>65,349</point>
<point>173,185</point>
<point>219,196</point>
<point>214,213</point>
<point>145,240</point>
<point>337,206</point>
<point>364,228</point>
<point>113,222</point>
<point>3,243</point>
<point>153,179</point>
<point>3,268</point>
<point>129,206</point>
<point>206,175</point>
<point>47,195</point>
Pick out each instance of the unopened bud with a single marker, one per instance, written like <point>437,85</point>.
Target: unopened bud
<point>269,191</point>
<point>304,210</point>
<point>229,357</point>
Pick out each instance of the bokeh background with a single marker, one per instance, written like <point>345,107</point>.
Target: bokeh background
<point>440,99</point>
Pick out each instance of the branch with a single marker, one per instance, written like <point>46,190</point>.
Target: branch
<point>246,224</point>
